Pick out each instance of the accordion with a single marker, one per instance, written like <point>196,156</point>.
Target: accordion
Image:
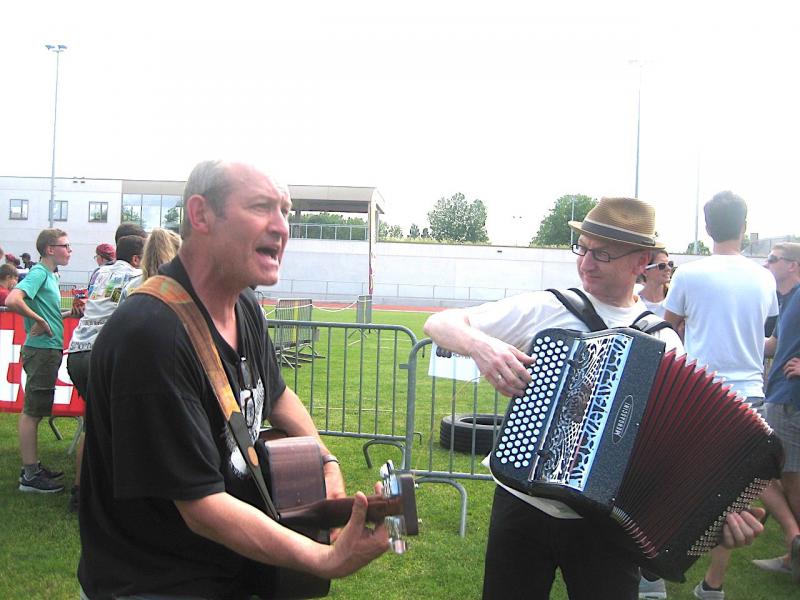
<point>649,447</point>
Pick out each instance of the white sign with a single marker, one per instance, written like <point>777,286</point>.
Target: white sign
<point>449,365</point>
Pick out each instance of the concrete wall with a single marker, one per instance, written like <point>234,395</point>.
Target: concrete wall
<point>418,274</point>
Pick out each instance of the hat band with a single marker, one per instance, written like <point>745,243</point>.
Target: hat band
<point>616,233</point>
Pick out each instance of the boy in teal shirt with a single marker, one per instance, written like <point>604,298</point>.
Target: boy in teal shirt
<point>38,299</point>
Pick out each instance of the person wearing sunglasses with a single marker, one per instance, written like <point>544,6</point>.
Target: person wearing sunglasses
<point>530,537</point>
<point>724,300</point>
<point>38,299</point>
<point>656,278</point>
<point>783,406</point>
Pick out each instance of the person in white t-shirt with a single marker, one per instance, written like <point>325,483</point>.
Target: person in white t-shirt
<point>530,537</point>
<point>724,301</point>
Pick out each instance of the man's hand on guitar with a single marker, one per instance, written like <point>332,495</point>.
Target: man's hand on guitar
<point>357,545</point>
<point>334,482</point>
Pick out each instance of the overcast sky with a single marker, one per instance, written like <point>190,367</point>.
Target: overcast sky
<point>515,103</point>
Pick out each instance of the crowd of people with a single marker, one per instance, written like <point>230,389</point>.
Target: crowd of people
<point>716,307</point>
<point>161,487</point>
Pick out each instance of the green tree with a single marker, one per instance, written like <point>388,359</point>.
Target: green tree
<point>456,220</point>
<point>389,232</point>
<point>554,230</point>
<point>172,219</point>
<point>703,249</point>
<point>130,214</point>
<point>413,232</point>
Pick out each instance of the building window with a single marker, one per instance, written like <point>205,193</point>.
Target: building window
<point>59,210</point>
<point>153,210</point>
<point>98,212</point>
<point>18,209</point>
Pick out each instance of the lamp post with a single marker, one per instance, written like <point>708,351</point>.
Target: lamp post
<point>572,218</point>
<point>639,64</point>
<point>58,49</point>
<point>517,219</point>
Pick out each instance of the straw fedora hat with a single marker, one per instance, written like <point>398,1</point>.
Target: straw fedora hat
<point>623,220</point>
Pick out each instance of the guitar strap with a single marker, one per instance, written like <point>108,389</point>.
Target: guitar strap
<point>172,294</point>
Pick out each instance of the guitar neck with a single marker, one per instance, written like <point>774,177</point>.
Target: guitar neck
<point>331,513</point>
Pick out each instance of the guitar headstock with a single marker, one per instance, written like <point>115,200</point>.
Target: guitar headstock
<point>401,486</point>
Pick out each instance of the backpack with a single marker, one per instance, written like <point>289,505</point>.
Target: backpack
<point>576,302</point>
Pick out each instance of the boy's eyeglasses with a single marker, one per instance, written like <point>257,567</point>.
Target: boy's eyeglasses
<point>660,266</point>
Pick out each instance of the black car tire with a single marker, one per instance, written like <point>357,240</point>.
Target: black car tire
<point>458,428</point>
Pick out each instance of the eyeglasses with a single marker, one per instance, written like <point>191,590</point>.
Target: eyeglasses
<point>661,266</point>
<point>67,246</point>
<point>599,254</point>
<point>247,401</point>
<point>772,259</point>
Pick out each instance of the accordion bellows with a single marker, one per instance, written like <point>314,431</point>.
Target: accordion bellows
<point>650,447</point>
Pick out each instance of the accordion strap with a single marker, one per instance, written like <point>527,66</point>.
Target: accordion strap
<point>578,303</point>
<point>172,293</point>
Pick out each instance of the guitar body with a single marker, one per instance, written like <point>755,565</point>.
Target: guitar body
<point>293,471</point>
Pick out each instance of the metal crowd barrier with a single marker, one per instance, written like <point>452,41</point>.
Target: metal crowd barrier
<point>350,378</point>
<point>452,447</point>
<point>353,386</point>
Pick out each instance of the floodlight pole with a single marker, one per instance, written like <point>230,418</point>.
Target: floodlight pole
<point>571,232</point>
<point>58,49</point>
<point>697,209</point>
<point>639,64</point>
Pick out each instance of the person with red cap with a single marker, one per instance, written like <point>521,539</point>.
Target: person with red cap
<point>104,254</point>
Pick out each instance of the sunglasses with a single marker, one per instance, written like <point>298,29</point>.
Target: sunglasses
<point>772,259</point>
<point>661,266</point>
<point>247,393</point>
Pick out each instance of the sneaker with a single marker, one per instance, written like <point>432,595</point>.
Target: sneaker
<point>704,594</point>
<point>40,484</point>
<point>74,498</point>
<point>652,590</point>
<point>47,472</point>
<point>776,565</point>
<point>794,559</point>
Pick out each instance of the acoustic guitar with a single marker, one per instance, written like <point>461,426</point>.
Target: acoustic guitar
<point>294,474</point>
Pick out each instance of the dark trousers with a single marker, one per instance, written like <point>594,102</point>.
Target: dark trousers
<point>526,546</point>
<point>78,369</point>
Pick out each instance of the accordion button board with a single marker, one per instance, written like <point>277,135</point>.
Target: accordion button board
<point>655,450</point>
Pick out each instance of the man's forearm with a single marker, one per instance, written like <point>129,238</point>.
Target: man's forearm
<point>451,329</point>
<point>249,532</point>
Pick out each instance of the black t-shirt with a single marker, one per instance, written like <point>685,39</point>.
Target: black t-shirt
<point>155,434</point>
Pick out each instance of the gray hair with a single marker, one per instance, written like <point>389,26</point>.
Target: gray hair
<point>208,179</point>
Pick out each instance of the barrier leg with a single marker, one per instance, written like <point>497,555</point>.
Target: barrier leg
<point>365,447</point>
<point>52,422</point>
<point>462,530</point>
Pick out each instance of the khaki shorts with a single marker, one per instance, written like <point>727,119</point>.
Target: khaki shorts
<point>41,371</point>
<point>785,421</point>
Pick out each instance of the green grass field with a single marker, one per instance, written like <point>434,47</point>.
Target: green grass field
<point>39,544</point>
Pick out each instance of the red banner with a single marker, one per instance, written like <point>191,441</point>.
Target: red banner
<point>67,402</point>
